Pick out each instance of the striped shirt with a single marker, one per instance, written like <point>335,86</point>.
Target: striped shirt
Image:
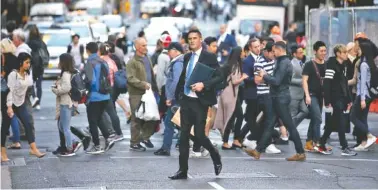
<point>268,66</point>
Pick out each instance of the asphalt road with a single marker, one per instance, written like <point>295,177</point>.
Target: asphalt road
<point>121,169</point>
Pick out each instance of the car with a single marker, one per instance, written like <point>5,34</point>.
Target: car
<point>82,29</point>
<point>154,7</point>
<point>114,23</point>
<point>47,11</point>
<point>91,7</point>
<point>56,41</point>
<point>100,31</point>
<point>153,33</point>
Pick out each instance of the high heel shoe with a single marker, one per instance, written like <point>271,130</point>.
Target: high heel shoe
<point>38,154</point>
<point>237,146</point>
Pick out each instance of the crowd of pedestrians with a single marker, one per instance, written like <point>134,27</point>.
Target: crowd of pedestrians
<point>279,86</point>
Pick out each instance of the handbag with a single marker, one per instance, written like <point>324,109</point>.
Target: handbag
<point>148,108</point>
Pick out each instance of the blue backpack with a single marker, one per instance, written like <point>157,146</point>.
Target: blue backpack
<point>120,81</point>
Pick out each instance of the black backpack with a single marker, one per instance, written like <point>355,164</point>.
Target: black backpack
<point>78,88</point>
<point>105,86</point>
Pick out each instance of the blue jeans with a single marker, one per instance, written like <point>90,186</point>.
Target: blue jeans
<point>38,86</point>
<point>315,111</point>
<point>64,125</point>
<point>15,129</point>
<point>26,119</point>
<point>359,117</point>
<point>168,130</point>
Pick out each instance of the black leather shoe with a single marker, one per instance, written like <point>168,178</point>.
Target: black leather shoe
<point>218,168</point>
<point>179,175</point>
<point>162,152</point>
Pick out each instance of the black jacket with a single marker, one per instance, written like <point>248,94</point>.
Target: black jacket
<point>8,64</point>
<point>208,95</point>
<point>280,80</point>
<point>335,82</point>
<point>38,68</point>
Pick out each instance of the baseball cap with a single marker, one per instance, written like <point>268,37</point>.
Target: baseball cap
<point>166,40</point>
<point>269,46</point>
<point>177,46</point>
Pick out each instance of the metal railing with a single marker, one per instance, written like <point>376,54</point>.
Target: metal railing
<point>339,25</point>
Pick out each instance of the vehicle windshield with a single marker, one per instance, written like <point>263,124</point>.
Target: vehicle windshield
<point>112,22</point>
<point>99,29</point>
<point>152,39</point>
<point>94,11</point>
<point>83,31</point>
<point>247,26</point>
<point>57,39</point>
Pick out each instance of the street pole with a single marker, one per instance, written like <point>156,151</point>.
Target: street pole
<point>291,10</point>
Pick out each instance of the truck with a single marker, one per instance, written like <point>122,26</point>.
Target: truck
<point>251,12</point>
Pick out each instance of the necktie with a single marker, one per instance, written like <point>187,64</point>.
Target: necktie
<point>188,73</point>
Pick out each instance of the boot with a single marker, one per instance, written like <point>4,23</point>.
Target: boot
<point>4,156</point>
<point>309,147</point>
<point>297,157</point>
<point>34,151</point>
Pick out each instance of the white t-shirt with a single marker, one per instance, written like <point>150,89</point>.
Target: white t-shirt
<point>75,52</point>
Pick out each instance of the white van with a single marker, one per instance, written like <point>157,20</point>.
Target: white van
<point>55,12</point>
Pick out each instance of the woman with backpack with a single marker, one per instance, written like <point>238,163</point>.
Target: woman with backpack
<point>18,83</point>
<point>360,109</point>
<point>68,146</point>
<point>39,57</point>
<point>229,105</point>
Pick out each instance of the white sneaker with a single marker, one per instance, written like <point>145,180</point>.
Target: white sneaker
<point>213,143</point>
<point>250,144</point>
<point>205,153</point>
<point>38,107</point>
<point>360,148</point>
<point>193,154</point>
<point>34,103</point>
<point>370,141</point>
<point>271,149</point>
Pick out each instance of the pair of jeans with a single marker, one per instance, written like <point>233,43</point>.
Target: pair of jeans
<point>251,113</point>
<point>299,111</point>
<point>169,130</point>
<point>281,110</point>
<point>237,114</point>
<point>64,126</point>
<point>339,106</point>
<point>94,112</point>
<point>111,111</point>
<point>26,119</point>
<point>6,122</point>
<point>359,117</point>
<point>315,111</point>
<point>38,88</point>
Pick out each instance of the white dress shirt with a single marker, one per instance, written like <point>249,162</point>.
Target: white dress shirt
<point>197,54</point>
<point>222,38</point>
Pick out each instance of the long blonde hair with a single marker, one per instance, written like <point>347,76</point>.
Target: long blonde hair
<point>7,46</point>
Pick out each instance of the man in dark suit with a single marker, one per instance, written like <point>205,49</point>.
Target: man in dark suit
<point>250,94</point>
<point>225,44</point>
<point>195,101</point>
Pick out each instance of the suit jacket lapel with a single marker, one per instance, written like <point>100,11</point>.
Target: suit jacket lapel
<point>201,57</point>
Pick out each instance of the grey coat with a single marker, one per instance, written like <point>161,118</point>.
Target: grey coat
<point>296,89</point>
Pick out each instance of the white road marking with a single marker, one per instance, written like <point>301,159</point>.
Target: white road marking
<point>244,157</point>
<point>190,176</point>
<point>323,172</point>
<point>216,185</point>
